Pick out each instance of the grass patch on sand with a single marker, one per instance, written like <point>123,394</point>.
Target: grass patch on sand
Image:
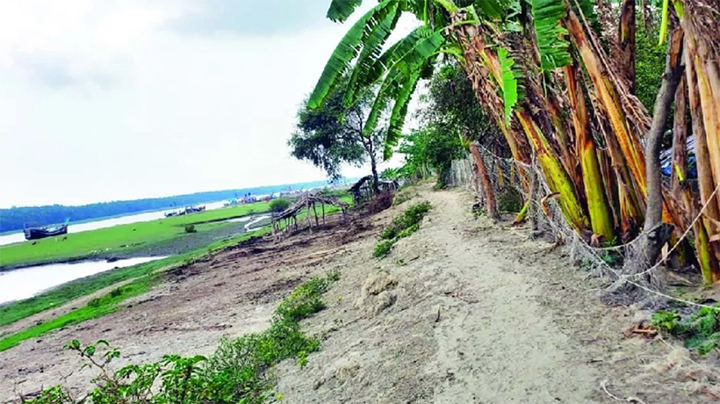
<point>401,226</point>
<point>123,237</point>
<point>235,373</point>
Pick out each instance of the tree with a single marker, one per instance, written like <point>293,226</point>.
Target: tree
<point>541,71</point>
<point>279,205</point>
<point>331,135</point>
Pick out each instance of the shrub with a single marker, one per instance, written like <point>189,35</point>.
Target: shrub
<point>190,228</point>
<point>701,331</point>
<point>383,248</point>
<point>279,205</point>
<point>510,200</point>
<point>401,226</point>
<point>235,373</point>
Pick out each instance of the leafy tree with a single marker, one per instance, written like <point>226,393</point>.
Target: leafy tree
<point>279,205</point>
<point>432,148</point>
<point>331,135</point>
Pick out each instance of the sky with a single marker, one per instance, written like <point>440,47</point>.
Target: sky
<point>120,99</point>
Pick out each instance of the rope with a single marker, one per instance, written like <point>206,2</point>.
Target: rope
<point>559,226</point>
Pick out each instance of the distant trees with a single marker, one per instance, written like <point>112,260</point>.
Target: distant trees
<point>15,217</point>
<point>331,135</point>
<point>279,205</point>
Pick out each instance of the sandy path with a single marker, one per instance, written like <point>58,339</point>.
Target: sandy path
<point>515,326</point>
<point>463,311</point>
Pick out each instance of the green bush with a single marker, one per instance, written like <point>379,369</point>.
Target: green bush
<point>190,228</point>
<point>383,248</point>
<point>401,226</point>
<point>701,331</point>
<point>279,205</point>
<point>510,200</point>
<point>235,373</point>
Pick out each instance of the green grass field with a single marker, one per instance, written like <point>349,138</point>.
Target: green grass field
<point>144,276</point>
<point>119,238</point>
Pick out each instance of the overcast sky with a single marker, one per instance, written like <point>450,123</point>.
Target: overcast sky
<point>121,99</point>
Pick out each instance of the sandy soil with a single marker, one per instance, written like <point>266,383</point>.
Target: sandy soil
<point>463,311</point>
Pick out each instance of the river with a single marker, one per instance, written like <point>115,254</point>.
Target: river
<point>99,224</point>
<point>27,282</point>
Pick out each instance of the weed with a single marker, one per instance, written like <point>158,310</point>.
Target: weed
<point>190,228</point>
<point>701,331</point>
<point>383,248</point>
<point>235,373</point>
<point>401,226</point>
<point>510,200</point>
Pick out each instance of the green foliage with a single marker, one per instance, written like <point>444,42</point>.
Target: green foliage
<point>509,84</point>
<point>383,248</point>
<point>190,228</point>
<point>235,373</point>
<point>331,135</point>
<point>401,226</point>
<point>510,200</point>
<point>340,10</point>
<point>279,205</point>
<point>701,331</point>
<point>553,46</point>
<point>649,65</point>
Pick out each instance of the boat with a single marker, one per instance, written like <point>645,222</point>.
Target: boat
<point>38,232</point>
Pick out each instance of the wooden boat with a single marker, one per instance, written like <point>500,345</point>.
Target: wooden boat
<point>38,232</point>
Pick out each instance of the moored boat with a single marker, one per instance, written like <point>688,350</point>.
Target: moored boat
<point>38,232</point>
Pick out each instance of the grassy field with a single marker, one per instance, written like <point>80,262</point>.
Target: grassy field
<point>144,276</point>
<point>119,238</point>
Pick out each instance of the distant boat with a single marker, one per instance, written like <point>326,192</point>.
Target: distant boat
<point>38,232</point>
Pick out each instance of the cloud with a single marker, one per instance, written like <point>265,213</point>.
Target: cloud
<point>244,17</point>
<point>60,71</point>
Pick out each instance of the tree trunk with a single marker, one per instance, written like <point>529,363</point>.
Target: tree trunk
<point>653,215</point>
<point>680,135</point>
<point>627,42</point>
<point>376,179</point>
<point>488,191</point>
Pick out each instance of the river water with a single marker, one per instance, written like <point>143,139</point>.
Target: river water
<point>99,224</point>
<point>27,282</point>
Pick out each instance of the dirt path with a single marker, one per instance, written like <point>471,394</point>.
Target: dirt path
<point>464,311</point>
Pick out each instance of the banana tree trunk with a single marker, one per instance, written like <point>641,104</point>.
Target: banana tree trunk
<point>598,207</point>
<point>488,192</point>
<point>680,135</point>
<point>627,42</point>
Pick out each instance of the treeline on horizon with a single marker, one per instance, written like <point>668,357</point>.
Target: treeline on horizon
<point>14,218</point>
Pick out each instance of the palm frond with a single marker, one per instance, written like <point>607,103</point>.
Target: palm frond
<point>340,10</point>
<point>409,64</point>
<point>509,84</point>
<point>399,112</point>
<point>348,49</point>
<point>551,36</point>
<point>366,76</point>
<point>365,65</point>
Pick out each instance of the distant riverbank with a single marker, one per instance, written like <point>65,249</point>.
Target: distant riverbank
<point>159,237</point>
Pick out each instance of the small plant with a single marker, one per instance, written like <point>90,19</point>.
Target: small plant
<point>510,200</point>
<point>235,373</point>
<point>279,205</point>
<point>190,228</point>
<point>383,248</point>
<point>701,331</point>
<point>401,226</point>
